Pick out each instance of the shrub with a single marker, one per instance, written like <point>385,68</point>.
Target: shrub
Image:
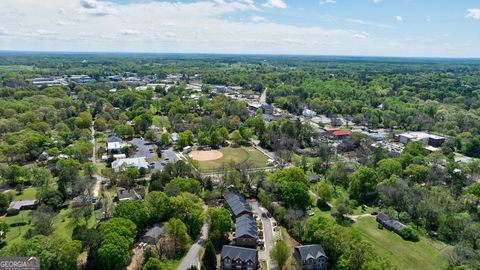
<point>410,234</point>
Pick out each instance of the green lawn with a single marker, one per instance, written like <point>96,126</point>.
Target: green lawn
<point>425,254</point>
<point>27,194</point>
<point>237,155</point>
<point>17,231</point>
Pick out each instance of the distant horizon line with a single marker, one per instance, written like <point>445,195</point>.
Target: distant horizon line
<point>3,51</point>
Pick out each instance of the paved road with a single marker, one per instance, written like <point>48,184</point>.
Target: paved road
<point>263,97</point>
<point>193,255</point>
<point>267,232</point>
<point>170,156</point>
<point>98,178</point>
<point>143,148</point>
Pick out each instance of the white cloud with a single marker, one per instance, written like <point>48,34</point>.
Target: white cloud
<point>428,19</point>
<point>89,3</point>
<point>257,19</point>
<point>363,22</point>
<point>323,2</point>
<point>377,1</point>
<point>203,26</point>
<point>130,32</point>
<point>362,35</point>
<point>275,4</point>
<point>473,13</point>
<point>398,18</point>
<point>3,32</point>
<point>95,8</point>
<point>46,32</point>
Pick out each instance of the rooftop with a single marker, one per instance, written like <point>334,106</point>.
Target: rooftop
<point>235,253</point>
<point>22,203</point>
<point>237,203</point>
<point>310,252</point>
<point>246,225</point>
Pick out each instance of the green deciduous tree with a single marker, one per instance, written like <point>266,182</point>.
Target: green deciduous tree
<point>363,184</point>
<point>280,253</point>
<point>159,206</point>
<point>220,225</point>
<point>134,210</point>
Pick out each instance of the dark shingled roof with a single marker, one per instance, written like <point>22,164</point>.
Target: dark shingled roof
<point>393,224</point>
<point>114,139</point>
<point>310,251</point>
<point>18,205</point>
<point>154,232</point>
<point>246,226</point>
<point>244,254</point>
<point>134,194</point>
<point>237,203</point>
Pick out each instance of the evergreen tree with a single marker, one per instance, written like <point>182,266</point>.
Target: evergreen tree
<point>209,259</point>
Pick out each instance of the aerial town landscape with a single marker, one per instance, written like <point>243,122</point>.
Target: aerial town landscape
<point>129,158</point>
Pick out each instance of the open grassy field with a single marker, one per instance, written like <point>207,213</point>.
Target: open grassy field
<point>425,254</point>
<point>236,155</point>
<point>27,194</point>
<point>17,231</point>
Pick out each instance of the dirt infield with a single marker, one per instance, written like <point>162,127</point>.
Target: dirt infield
<point>206,155</point>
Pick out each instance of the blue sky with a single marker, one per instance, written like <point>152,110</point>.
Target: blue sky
<point>440,28</point>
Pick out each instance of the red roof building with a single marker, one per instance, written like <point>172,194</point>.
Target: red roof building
<point>342,133</point>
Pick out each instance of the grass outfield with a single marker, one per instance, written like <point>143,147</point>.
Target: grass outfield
<point>237,155</point>
<point>425,254</point>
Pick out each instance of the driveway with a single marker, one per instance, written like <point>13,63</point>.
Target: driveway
<point>136,259</point>
<point>267,232</point>
<point>143,148</point>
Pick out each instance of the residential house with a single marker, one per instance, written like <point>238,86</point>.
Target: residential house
<point>174,137</point>
<point>340,134</point>
<point>115,156</point>
<point>267,109</point>
<point>309,113</point>
<point>310,257</point>
<point>246,232</point>
<point>269,117</point>
<point>121,164</point>
<point>83,200</point>
<point>237,204</point>
<point>16,206</point>
<point>130,194</point>
<point>238,258</point>
<point>114,147</point>
<point>389,223</point>
<point>152,235</point>
<point>314,178</point>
